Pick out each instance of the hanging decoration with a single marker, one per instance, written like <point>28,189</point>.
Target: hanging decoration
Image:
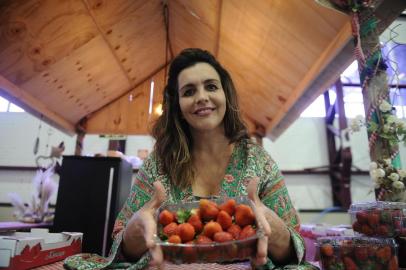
<point>385,131</point>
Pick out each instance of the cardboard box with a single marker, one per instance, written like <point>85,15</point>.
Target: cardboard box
<point>25,250</point>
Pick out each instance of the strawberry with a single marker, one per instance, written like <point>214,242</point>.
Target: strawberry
<point>367,230</point>
<point>235,230</point>
<point>208,210</point>
<point>247,232</point>
<point>222,237</point>
<point>327,250</point>
<point>170,229</point>
<point>189,252</point>
<point>357,227</point>
<point>373,218</point>
<point>393,263</point>
<point>349,264</point>
<point>244,215</point>
<point>166,217</point>
<point>362,217</point>
<point>195,221</point>
<point>383,230</point>
<point>361,253</point>
<point>384,254</point>
<point>204,249</point>
<point>202,239</point>
<point>228,206</point>
<point>346,248</point>
<point>211,228</point>
<point>224,219</point>
<point>186,232</point>
<point>174,239</point>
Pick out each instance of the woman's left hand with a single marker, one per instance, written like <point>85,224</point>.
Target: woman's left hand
<point>259,210</point>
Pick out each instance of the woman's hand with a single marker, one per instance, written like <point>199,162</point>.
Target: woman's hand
<point>277,240</point>
<point>259,209</point>
<point>141,229</point>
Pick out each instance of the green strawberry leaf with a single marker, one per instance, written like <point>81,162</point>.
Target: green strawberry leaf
<point>183,215</point>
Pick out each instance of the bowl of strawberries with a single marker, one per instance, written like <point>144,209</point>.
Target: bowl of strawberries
<point>378,219</point>
<point>354,252</point>
<point>207,231</point>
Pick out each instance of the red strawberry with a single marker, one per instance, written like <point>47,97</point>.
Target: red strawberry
<point>349,264</point>
<point>211,228</point>
<point>228,206</point>
<point>244,215</point>
<point>393,263</point>
<point>383,230</point>
<point>186,232</point>
<point>365,229</point>
<point>202,239</point>
<point>170,229</point>
<point>327,250</point>
<point>222,237</point>
<point>195,221</point>
<point>174,239</point>
<point>165,217</point>
<point>208,210</point>
<point>362,217</point>
<point>361,253</point>
<point>224,219</point>
<point>357,227</point>
<point>247,232</point>
<point>189,252</point>
<point>373,218</point>
<point>235,230</point>
<point>384,254</point>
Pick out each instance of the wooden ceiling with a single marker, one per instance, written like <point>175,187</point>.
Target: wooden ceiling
<point>95,59</point>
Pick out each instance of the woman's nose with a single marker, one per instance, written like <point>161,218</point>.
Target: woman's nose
<point>201,95</point>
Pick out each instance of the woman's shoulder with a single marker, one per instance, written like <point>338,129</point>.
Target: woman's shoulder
<point>151,166</point>
<point>254,150</point>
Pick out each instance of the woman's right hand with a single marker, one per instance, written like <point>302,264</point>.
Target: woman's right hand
<point>141,229</point>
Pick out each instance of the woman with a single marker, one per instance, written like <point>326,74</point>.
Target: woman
<point>202,150</point>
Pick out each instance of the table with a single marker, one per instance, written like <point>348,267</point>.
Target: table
<point>169,266</point>
<point>17,225</point>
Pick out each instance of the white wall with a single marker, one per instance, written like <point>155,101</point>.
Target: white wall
<point>303,145</point>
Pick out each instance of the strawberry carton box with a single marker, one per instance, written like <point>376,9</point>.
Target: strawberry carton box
<point>378,219</point>
<point>208,231</point>
<point>355,252</point>
<point>25,250</point>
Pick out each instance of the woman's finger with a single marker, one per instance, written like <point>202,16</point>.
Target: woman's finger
<point>157,257</point>
<point>262,251</point>
<point>259,207</point>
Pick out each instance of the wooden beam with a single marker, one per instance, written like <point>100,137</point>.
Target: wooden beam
<point>34,106</point>
<point>332,50</point>
<point>386,13</point>
<point>218,33</point>
<point>102,33</point>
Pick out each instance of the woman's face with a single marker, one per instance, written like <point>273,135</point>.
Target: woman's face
<point>201,97</point>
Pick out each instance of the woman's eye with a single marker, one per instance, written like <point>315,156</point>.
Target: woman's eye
<point>188,93</point>
<point>212,87</point>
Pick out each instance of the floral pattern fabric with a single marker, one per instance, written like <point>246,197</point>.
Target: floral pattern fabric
<point>247,161</point>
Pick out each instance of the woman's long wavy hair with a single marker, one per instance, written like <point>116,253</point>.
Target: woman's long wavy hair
<point>174,142</point>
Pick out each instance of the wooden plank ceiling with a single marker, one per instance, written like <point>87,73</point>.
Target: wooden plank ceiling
<point>95,59</point>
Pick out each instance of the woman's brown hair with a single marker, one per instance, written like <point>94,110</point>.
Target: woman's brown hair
<point>174,142</point>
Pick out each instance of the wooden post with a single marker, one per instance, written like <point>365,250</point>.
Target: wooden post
<point>80,135</point>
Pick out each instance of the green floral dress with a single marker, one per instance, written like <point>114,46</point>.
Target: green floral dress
<point>248,160</point>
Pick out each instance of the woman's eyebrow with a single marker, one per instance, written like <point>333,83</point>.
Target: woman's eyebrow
<point>185,86</point>
<point>211,81</point>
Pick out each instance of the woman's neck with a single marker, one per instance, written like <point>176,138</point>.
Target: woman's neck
<point>210,142</point>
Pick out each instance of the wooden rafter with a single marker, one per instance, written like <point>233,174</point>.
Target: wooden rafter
<point>32,104</point>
